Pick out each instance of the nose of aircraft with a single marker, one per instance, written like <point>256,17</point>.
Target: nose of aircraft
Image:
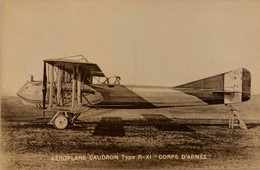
<point>31,93</point>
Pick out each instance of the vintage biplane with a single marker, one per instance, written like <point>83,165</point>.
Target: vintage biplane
<point>72,83</point>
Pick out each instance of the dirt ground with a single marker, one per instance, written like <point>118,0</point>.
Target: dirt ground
<point>27,142</point>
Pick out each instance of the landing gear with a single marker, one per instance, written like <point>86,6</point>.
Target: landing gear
<point>62,119</point>
<point>61,122</point>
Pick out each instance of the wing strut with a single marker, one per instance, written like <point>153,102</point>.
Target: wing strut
<point>44,88</point>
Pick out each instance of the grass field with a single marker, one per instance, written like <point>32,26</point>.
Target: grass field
<point>28,143</point>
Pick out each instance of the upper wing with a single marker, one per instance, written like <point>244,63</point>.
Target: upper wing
<point>67,64</point>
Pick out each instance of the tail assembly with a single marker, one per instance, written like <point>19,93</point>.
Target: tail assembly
<point>229,87</point>
<point>239,83</point>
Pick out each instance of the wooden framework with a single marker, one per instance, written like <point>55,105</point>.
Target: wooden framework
<point>51,78</point>
<point>52,91</point>
<point>44,88</point>
<point>73,87</point>
<point>52,85</point>
<point>63,80</point>
<point>79,86</point>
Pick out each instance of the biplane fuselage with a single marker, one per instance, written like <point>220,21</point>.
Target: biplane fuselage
<point>120,96</point>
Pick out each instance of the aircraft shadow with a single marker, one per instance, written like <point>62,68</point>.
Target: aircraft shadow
<point>110,126</point>
<point>164,123</point>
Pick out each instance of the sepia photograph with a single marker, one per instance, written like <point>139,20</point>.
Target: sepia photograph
<point>134,84</point>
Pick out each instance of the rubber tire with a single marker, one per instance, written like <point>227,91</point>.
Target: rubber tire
<point>61,122</point>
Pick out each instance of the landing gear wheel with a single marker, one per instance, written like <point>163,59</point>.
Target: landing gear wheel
<point>61,122</point>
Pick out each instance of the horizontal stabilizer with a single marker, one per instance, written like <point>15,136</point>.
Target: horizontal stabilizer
<point>219,91</point>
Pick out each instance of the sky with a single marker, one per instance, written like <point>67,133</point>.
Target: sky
<point>146,42</point>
